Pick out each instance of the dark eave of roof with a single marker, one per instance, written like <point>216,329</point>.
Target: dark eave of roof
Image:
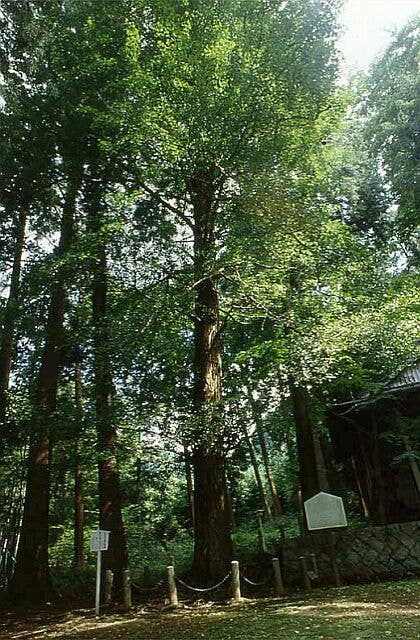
<point>407,379</point>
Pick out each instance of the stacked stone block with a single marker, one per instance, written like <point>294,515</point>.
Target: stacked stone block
<point>373,553</point>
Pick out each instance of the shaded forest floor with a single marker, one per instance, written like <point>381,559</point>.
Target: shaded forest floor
<point>368,612</point>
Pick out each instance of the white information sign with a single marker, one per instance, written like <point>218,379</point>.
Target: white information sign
<point>99,541</point>
<point>324,511</point>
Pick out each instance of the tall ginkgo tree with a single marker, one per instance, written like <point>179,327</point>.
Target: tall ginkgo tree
<point>234,90</point>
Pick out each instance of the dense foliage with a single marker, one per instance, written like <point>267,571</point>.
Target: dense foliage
<point>206,246</point>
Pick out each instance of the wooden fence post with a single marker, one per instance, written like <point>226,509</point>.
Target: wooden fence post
<point>126,590</point>
<point>109,579</point>
<point>278,579</point>
<point>236,581</point>
<point>173,594</point>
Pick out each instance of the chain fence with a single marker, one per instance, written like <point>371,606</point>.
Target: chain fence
<point>235,575</point>
<point>155,587</point>
<point>258,584</point>
<point>203,589</point>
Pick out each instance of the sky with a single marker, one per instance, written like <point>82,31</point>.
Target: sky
<point>368,25</point>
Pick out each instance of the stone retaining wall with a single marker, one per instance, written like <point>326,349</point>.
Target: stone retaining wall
<point>374,553</point>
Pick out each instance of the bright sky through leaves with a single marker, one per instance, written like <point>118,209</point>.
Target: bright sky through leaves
<point>368,27</point>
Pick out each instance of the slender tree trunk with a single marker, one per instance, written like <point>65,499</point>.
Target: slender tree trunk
<point>31,579</point>
<point>254,462</point>
<point>110,516</point>
<point>8,502</point>
<point>363,503</point>
<point>413,465</point>
<point>379,512</point>
<point>79,515</point>
<point>297,494</point>
<point>213,544</point>
<point>365,472</point>
<point>321,466</point>
<point>308,470</point>
<point>138,500</point>
<point>6,345</point>
<point>190,483</point>
<point>277,506</point>
<point>231,510</point>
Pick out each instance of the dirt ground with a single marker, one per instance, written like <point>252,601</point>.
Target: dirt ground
<point>368,612</point>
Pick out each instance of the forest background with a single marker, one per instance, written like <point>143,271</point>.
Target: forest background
<point>207,241</point>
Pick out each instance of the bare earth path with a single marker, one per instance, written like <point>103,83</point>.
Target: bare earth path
<point>369,612</point>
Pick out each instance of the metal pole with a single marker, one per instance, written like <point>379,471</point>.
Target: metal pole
<point>98,584</point>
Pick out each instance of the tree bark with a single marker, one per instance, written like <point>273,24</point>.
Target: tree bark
<point>110,500</point>
<point>213,544</point>
<point>10,313</point>
<point>79,516</point>
<point>31,580</point>
<point>277,506</point>
<point>308,470</point>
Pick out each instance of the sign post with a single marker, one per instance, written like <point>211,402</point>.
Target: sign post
<point>99,542</point>
<point>325,511</point>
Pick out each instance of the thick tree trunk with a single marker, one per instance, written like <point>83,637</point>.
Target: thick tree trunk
<point>308,470</point>
<point>7,334</point>
<point>110,516</point>
<point>277,506</point>
<point>213,545</point>
<point>79,515</point>
<point>31,579</point>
